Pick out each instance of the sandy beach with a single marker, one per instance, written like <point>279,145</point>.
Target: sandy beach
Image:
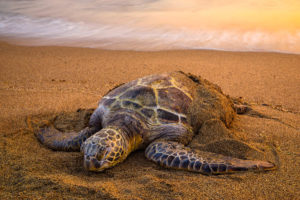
<point>39,83</point>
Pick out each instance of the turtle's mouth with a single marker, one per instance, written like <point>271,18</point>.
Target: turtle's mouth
<point>91,163</point>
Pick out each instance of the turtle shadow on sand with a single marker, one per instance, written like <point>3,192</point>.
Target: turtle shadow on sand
<point>210,115</point>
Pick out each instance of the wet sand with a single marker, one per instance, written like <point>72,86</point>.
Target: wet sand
<point>39,83</point>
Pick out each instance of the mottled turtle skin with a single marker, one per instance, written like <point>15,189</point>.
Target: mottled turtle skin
<point>155,113</point>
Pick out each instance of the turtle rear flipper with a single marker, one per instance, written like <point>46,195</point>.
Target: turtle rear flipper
<point>177,156</point>
<point>56,140</point>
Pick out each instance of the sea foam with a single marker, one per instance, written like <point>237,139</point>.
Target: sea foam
<point>145,25</point>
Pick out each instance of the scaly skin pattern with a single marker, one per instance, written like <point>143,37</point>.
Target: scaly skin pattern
<point>175,155</point>
<point>108,137</point>
<point>148,113</point>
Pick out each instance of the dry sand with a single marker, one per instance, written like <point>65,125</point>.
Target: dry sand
<point>38,83</point>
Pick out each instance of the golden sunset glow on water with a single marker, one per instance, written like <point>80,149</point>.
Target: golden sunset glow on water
<point>251,25</point>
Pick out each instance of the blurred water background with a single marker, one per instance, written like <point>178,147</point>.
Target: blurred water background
<point>233,25</point>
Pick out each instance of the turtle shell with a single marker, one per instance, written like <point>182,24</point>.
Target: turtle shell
<point>158,98</point>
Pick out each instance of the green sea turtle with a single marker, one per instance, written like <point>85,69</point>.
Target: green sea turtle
<point>158,113</point>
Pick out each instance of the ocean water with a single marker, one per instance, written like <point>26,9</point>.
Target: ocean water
<point>233,25</point>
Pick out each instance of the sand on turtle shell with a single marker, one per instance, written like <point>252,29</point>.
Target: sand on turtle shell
<point>48,85</point>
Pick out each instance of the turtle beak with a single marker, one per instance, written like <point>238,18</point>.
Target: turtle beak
<point>91,163</point>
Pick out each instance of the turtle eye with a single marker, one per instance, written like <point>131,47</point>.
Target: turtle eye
<point>100,153</point>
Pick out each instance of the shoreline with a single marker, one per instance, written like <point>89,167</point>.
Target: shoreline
<point>17,41</point>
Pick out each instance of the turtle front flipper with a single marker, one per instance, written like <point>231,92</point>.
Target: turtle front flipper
<point>56,140</point>
<point>177,156</point>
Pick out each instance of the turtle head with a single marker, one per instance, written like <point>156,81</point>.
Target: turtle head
<point>104,149</point>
